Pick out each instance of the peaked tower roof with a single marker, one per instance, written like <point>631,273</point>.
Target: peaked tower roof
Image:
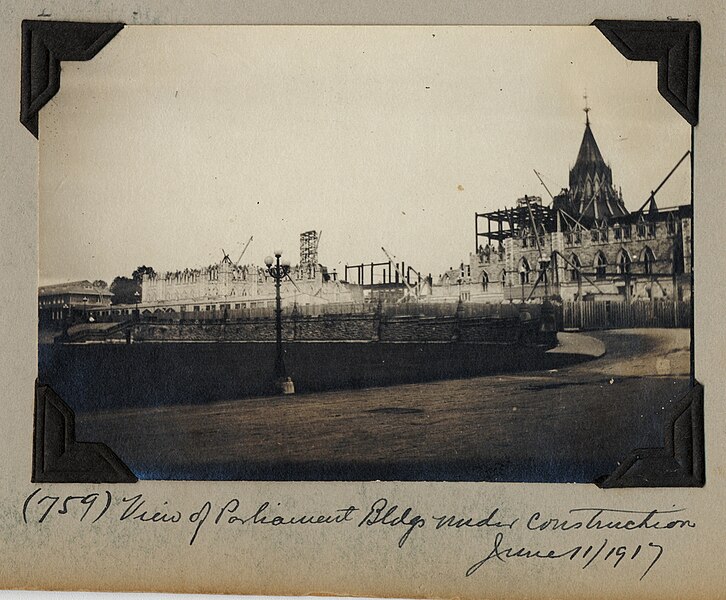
<point>589,157</point>
<point>592,194</point>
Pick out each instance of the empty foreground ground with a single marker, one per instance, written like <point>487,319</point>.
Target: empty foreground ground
<point>573,424</point>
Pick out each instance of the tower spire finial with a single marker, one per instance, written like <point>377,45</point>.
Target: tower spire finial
<point>586,109</point>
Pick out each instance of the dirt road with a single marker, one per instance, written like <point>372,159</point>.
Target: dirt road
<point>574,424</point>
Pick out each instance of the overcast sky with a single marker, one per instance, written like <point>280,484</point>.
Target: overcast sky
<point>175,142</point>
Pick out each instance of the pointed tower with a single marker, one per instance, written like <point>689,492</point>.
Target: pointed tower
<point>592,194</point>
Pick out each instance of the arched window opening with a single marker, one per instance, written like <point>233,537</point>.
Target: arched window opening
<point>575,269</point>
<point>573,236</point>
<point>525,236</point>
<point>672,224</point>
<point>524,271</point>
<point>648,261</point>
<point>678,263</point>
<point>604,234</point>
<point>600,266</point>
<point>641,228</point>
<point>624,262</point>
<point>484,281</point>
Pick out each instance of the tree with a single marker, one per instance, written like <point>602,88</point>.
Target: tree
<point>139,273</point>
<point>100,284</point>
<point>123,290</point>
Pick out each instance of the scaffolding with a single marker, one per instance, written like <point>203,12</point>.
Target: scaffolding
<point>309,249</point>
<point>512,222</point>
<point>382,273</point>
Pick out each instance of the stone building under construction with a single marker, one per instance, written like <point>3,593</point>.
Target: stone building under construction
<point>228,286</point>
<point>583,245</point>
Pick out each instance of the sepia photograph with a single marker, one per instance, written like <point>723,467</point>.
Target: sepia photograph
<point>289,253</point>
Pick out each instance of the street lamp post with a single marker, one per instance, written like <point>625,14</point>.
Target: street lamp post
<point>278,268</point>
<point>66,319</point>
<point>135,318</point>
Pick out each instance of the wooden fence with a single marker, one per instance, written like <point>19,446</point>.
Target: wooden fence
<point>625,315</point>
<point>412,309</point>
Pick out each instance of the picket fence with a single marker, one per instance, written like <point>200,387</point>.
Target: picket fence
<point>625,315</point>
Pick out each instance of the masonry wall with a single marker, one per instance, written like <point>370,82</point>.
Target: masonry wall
<point>659,283</point>
<point>661,244</point>
<point>407,329</point>
<point>92,377</point>
<point>360,328</point>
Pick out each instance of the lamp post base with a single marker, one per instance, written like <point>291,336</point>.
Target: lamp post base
<point>285,386</point>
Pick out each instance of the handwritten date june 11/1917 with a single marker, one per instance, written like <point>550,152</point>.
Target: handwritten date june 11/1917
<point>40,507</point>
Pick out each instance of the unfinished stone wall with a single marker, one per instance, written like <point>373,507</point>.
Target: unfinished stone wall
<point>356,328</point>
<point>410,329</point>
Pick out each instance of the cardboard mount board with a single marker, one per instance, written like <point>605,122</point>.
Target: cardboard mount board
<point>685,474</point>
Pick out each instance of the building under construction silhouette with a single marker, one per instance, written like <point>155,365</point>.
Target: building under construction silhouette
<point>582,245</point>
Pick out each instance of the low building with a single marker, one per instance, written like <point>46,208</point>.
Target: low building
<point>69,300</point>
<point>227,286</point>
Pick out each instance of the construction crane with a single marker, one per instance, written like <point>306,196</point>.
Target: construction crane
<point>244,250</point>
<point>543,262</point>
<point>411,290</point>
<point>544,185</point>
<point>651,198</point>
<point>560,211</point>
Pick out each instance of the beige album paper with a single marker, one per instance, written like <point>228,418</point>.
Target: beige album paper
<point>362,302</point>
